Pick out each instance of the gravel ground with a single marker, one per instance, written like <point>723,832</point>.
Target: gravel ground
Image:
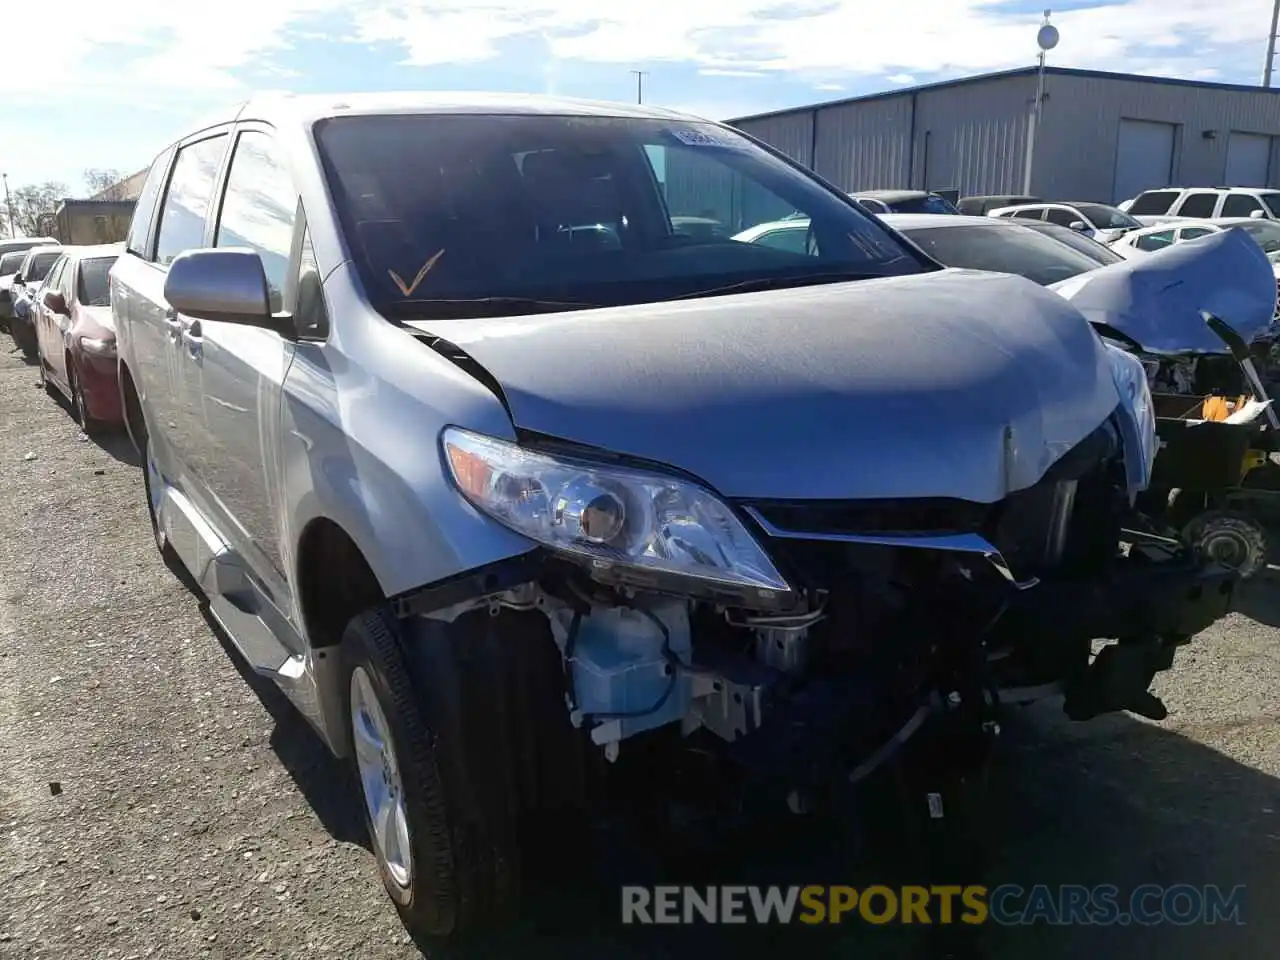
<point>156,802</point>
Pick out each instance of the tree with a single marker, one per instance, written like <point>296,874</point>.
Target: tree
<point>34,206</point>
<point>101,180</point>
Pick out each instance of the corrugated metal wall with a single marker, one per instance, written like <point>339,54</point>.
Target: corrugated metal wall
<point>865,145</point>
<point>974,139</point>
<point>699,187</point>
<point>1082,121</point>
<point>792,133</point>
<point>972,136</point>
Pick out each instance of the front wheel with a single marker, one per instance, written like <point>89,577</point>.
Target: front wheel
<point>1231,538</point>
<point>438,810</point>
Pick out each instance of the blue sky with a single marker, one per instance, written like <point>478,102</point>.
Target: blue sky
<point>132,74</point>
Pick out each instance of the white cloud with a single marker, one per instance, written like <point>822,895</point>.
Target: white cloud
<point>189,51</point>
<point>840,38</point>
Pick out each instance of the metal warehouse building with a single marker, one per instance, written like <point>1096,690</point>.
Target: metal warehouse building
<point>1102,136</point>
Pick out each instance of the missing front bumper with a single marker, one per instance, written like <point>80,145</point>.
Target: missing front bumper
<point>1155,601</point>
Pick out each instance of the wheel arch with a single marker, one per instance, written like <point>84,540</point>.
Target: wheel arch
<point>334,580</point>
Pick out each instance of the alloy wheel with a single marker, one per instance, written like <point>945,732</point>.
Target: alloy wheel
<point>380,780</point>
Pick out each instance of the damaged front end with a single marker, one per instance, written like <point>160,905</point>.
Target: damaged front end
<point>802,642</point>
<point>1199,316</point>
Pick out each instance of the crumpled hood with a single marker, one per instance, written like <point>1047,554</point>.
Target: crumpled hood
<point>1156,299</point>
<point>948,384</point>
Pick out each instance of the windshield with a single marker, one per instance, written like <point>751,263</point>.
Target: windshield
<point>10,262</point>
<point>39,266</point>
<point>576,210</point>
<point>1100,253</point>
<point>92,289</point>
<point>1003,248</point>
<point>1266,233</point>
<point>932,203</point>
<point>1107,218</point>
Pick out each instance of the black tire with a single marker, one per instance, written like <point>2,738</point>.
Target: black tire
<point>1231,538</point>
<point>474,708</point>
<point>167,553</point>
<point>45,383</point>
<point>91,427</point>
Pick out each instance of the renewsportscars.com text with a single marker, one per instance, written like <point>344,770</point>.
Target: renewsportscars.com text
<point>1008,904</point>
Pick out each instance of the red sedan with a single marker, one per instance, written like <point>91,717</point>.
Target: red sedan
<point>76,337</point>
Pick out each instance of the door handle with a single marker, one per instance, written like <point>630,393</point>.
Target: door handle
<point>174,324</point>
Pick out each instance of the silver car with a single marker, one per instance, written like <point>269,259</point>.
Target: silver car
<point>499,475</point>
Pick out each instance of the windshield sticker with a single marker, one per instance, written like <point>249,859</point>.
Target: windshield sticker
<point>701,138</point>
<point>407,289</point>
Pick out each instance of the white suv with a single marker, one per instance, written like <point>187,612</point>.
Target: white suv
<point>1153,206</point>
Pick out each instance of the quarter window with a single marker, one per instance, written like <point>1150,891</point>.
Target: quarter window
<point>259,209</point>
<point>311,316</point>
<point>190,195</point>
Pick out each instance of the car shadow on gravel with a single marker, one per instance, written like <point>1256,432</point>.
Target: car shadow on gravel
<point>1118,801</point>
<point>114,441</point>
<point>1114,801</point>
<point>324,782</point>
<point>1259,598</point>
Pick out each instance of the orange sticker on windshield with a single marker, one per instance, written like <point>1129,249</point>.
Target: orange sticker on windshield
<point>407,289</point>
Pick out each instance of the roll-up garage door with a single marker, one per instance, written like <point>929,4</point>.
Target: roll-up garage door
<point>1248,157</point>
<point>1144,157</point>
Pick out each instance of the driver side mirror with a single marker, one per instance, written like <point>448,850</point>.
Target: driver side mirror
<point>226,285</point>
<point>1256,215</point>
<point>17,278</point>
<point>1079,226</point>
<point>55,302</point>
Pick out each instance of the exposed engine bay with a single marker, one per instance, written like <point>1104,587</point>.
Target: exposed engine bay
<point>900,609</point>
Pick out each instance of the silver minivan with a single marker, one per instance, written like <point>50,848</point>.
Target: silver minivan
<point>532,498</point>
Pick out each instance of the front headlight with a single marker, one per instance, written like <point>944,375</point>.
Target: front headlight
<point>98,348</point>
<point>1130,378</point>
<point>613,518</point>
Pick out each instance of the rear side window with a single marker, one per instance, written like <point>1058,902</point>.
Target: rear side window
<point>793,240</point>
<point>60,277</point>
<point>189,197</point>
<point>259,209</point>
<point>1063,218</point>
<point>144,211</point>
<point>1036,213</point>
<point>1199,204</point>
<point>1240,205</point>
<point>1153,203</point>
<point>91,285</point>
<point>1155,241</point>
<point>40,265</point>
<point>1190,233</point>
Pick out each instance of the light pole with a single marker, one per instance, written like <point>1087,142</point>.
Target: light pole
<point>8,203</point>
<point>1046,40</point>
<point>1271,44</point>
<point>641,74</point>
